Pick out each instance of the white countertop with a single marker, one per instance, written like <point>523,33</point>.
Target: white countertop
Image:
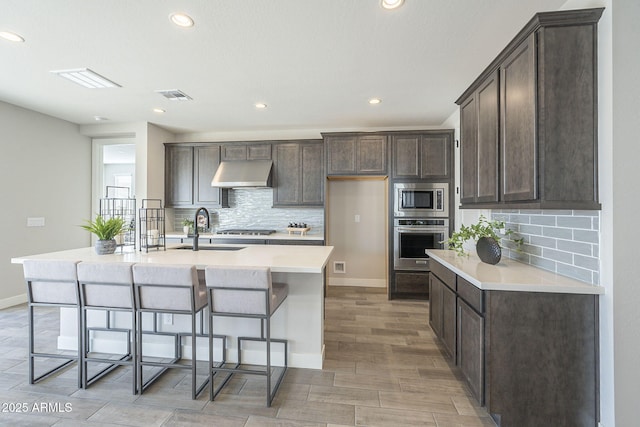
<point>274,236</point>
<point>510,275</point>
<point>280,258</point>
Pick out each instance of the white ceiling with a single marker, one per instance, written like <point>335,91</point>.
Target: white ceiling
<point>315,63</point>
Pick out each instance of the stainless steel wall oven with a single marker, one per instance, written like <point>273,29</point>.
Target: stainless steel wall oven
<point>413,236</point>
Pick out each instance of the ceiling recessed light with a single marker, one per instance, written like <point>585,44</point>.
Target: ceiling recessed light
<point>260,105</point>
<point>181,20</point>
<point>158,110</point>
<point>391,4</point>
<point>100,118</point>
<point>87,78</point>
<point>12,37</point>
<point>375,101</point>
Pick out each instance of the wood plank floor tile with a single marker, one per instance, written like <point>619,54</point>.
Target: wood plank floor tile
<point>387,369</point>
<point>368,382</point>
<point>344,395</point>
<point>318,412</point>
<point>240,406</point>
<point>447,420</point>
<point>381,339</point>
<point>131,415</point>
<point>429,402</point>
<point>385,417</point>
<point>334,365</point>
<point>452,388</point>
<point>183,418</point>
<point>309,376</point>
<point>255,421</point>
<point>466,405</point>
<point>339,336</point>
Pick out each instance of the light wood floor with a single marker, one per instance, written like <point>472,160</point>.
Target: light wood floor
<point>383,367</point>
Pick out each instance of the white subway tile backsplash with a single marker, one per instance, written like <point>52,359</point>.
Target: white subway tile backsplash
<point>578,273</point>
<point>542,263</point>
<point>586,262</point>
<point>574,222</point>
<point>528,229</point>
<point>543,220</point>
<point>586,236</point>
<point>575,247</point>
<point>252,208</point>
<point>558,232</point>
<point>545,242</point>
<point>560,256</point>
<point>563,241</point>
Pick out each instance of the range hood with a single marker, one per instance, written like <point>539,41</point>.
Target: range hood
<point>244,173</point>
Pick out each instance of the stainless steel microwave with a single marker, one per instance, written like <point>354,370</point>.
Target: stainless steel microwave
<point>418,200</point>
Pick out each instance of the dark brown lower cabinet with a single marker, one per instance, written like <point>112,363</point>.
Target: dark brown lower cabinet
<point>435,305</point>
<point>411,285</point>
<point>442,313</point>
<point>531,358</point>
<point>541,359</point>
<point>470,347</point>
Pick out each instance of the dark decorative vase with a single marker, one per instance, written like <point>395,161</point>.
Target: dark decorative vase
<point>105,247</point>
<point>488,250</point>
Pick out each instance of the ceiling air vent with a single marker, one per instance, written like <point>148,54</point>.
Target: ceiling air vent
<point>174,95</point>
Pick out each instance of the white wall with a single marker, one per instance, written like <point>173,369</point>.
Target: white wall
<point>361,245</point>
<point>45,170</point>
<point>623,254</point>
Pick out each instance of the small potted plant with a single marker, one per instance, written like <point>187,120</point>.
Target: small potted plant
<point>105,231</point>
<point>187,226</point>
<point>485,234</point>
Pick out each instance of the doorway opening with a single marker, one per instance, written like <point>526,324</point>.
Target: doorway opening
<point>114,165</point>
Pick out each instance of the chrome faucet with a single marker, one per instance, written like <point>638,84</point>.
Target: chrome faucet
<point>196,233</point>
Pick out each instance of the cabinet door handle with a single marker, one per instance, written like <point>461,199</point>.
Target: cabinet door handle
<point>421,262</point>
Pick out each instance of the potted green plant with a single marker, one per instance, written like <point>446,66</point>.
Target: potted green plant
<point>105,230</point>
<point>485,234</point>
<point>187,226</point>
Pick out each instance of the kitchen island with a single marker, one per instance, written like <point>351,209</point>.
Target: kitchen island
<point>299,319</point>
<point>524,339</point>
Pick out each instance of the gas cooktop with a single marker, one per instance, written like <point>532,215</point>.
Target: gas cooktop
<point>244,231</point>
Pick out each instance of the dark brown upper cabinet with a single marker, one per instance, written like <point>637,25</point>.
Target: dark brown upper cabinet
<point>424,155</point>
<point>234,151</point>
<point>189,169</point>
<point>479,148</point>
<point>298,174</point>
<point>354,154</point>
<point>528,123</point>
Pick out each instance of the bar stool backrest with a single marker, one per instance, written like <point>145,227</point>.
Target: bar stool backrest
<point>168,287</point>
<point>253,284</point>
<point>106,284</point>
<point>51,281</point>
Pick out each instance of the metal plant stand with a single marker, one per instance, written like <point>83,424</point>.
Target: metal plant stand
<point>152,225</point>
<point>118,203</point>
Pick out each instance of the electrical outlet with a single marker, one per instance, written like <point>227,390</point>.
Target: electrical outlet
<point>167,318</point>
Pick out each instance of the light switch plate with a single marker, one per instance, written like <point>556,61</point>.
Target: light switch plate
<point>35,222</point>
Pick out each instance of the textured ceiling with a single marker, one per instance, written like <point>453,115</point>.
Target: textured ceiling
<point>315,63</point>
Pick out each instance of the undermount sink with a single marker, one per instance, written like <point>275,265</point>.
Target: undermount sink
<point>212,248</point>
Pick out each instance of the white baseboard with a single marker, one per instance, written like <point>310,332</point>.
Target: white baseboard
<point>369,283</point>
<point>11,301</point>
